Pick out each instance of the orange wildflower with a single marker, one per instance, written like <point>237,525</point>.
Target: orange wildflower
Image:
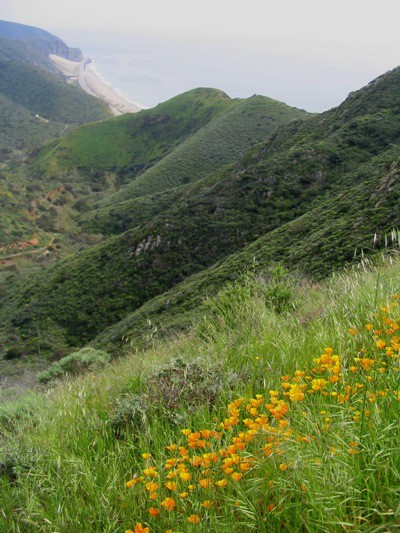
<point>169,504</point>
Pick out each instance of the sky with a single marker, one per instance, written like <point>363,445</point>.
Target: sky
<point>308,53</point>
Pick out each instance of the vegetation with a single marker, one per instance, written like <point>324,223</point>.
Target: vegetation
<point>75,363</point>
<point>243,257</point>
<point>298,429</point>
<point>133,141</point>
<point>315,189</point>
<point>219,142</point>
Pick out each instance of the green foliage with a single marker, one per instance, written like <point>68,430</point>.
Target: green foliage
<point>316,189</point>
<point>86,359</point>
<point>43,94</point>
<point>133,141</point>
<point>177,386</point>
<point>69,447</point>
<point>219,142</point>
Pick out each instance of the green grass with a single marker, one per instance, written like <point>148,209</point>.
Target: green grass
<point>67,456</point>
<point>218,143</point>
<point>134,141</point>
<point>44,94</point>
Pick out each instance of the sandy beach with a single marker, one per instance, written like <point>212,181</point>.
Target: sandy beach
<point>86,75</point>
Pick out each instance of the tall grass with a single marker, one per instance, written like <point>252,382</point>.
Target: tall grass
<point>330,466</point>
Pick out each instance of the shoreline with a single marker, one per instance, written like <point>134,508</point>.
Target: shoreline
<point>89,79</point>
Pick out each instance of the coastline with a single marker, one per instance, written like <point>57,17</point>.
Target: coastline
<point>86,75</point>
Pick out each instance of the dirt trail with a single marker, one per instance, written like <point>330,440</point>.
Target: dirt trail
<point>35,251</point>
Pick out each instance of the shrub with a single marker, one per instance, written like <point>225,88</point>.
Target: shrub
<point>75,363</point>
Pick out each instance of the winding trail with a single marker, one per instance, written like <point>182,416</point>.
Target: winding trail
<point>35,251</point>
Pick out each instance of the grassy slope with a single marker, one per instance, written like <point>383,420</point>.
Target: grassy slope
<point>20,129</point>
<point>43,94</point>
<point>220,142</point>
<point>143,139</point>
<point>134,141</point>
<point>273,184</point>
<point>65,458</point>
<point>334,233</point>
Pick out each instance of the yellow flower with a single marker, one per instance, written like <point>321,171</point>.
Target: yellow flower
<point>151,486</point>
<point>223,482</point>
<point>183,494</point>
<point>171,485</point>
<point>131,483</point>
<point>146,455</point>
<point>352,331</point>
<point>207,504</point>
<point>169,504</point>
<point>153,511</point>
<point>237,476</point>
<point>185,476</point>
<point>140,529</point>
<point>283,466</point>
<point>204,483</point>
<point>193,519</point>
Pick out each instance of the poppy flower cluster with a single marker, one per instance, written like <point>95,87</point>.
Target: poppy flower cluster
<point>263,435</point>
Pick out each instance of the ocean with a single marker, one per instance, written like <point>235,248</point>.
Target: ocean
<point>151,68</point>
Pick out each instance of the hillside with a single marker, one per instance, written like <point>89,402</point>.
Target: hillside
<point>132,142</point>
<point>275,412</point>
<point>219,142</point>
<point>341,230</point>
<point>40,43</point>
<point>42,94</point>
<point>313,184</point>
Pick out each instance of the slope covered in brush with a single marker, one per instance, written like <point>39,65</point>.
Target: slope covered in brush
<point>352,223</point>
<point>43,94</point>
<point>134,141</point>
<point>33,45</point>
<point>219,142</point>
<point>274,413</point>
<point>303,167</point>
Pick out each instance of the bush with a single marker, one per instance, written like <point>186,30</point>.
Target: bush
<point>173,391</point>
<point>75,363</point>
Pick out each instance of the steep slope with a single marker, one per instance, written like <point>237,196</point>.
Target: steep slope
<point>42,94</point>
<point>39,43</point>
<point>352,223</point>
<point>301,168</point>
<point>220,142</point>
<point>133,142</point>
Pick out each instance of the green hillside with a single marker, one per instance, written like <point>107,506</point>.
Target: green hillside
<point>308,169</point>
<point>134,141</point>
<point>219,142</point>
<point>343,228</point>
<point>40,43</point>
<point>43,94</point>
<point>20,128</point>
<point>22,51</point>
<point>278,411</point>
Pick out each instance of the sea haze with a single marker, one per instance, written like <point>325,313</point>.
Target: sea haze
<point>151,68</point>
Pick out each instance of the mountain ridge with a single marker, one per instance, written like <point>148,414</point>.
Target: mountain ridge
<point>300,168</point>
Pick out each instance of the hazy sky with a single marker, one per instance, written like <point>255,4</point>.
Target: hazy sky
<point>310,53</point>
